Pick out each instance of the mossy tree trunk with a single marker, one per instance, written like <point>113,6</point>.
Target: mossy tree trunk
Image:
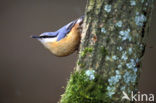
<point>112,46</point>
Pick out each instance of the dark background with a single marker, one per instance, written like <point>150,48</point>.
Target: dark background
<point>31,74</point>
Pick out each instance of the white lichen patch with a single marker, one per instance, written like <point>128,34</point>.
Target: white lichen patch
<point>117,72</point>
<point>144,8</point>
<point>119,24</point>
<point>132,65</point>
<point>108,58</point>
<point>135,69</point>
<point>90,74</point>
<point>110,91</point>
<point>123,88</point>
<point>125,35</point>
<point>129,77</point>
<point>111,58</point>
<point>142,1</point>
<point>141,46</point>
<point>132,2</point>
<point>139,19</point>
<point>137,60</point>
<point>114,57</point>
<point>119,66</point>
<point>112,83</point>
<point>103,30</point>
<point>119,48</point>
<point>114,79</point>
<point>107,8</point>
<point>124,56</point>
<point>130,50</point>
<point>137,13</point>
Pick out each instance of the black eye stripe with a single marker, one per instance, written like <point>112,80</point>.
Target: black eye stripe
<point>47,36</point>
<point>34,36</point>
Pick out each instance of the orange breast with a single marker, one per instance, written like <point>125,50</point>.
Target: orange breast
<point>66,45</point>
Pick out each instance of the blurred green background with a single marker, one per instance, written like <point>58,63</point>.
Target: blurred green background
<point>31,74</point>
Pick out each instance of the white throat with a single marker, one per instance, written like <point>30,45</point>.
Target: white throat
<point>46,40</point>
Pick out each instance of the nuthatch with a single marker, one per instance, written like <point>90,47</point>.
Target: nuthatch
<point>63,41</point>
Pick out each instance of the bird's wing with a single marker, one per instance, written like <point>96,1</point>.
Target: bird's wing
<point>46,35</point>
<point>49,34</point>
<point>62,32</point>
<point>70,25</point>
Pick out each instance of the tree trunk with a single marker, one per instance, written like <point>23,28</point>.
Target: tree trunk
<point>111,50</point>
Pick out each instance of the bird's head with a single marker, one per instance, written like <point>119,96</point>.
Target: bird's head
<point>46,37</point>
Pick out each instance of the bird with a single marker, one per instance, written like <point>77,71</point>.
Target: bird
<point>65,40</point>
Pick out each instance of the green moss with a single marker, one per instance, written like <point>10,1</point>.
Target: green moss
<point>91,3</point>
<point>81,89</point>
<point>103,50</point>
<point>82,65</point>
<point>85,51</point>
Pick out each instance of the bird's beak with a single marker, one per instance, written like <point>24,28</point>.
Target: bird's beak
<point>35,36</point>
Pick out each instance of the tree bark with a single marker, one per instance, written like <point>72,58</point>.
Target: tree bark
<point>111,50</point>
